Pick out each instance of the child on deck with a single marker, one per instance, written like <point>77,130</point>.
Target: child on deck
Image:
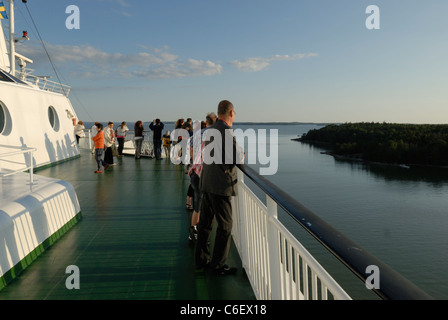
<point>166,140</point>
<point>98,139</point>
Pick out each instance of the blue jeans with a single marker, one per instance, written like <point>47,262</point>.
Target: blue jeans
<point>158,148</point>
<point>138,147</point>
<point>99,158</point>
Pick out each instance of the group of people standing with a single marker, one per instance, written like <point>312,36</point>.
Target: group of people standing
<point>213,184</point>
<point>157,127</point>
<point>104,141</point>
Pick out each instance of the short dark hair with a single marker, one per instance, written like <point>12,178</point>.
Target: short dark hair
<point>210,118</point>
<point>99,126</point>
<point>224,107</point>
<point>157,120</point>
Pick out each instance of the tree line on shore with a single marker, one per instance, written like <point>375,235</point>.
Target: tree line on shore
<point>425,144</point>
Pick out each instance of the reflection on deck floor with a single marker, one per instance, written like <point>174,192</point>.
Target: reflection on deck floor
<point>132,241</point>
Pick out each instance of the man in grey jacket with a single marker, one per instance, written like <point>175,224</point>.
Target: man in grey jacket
<point>218,184</point>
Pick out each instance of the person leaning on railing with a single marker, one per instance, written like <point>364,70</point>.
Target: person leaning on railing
<point>138,138</point>
<point>121,135</point>
<point>79,131</point>
<point>196,151</point>
<point>218,184</point>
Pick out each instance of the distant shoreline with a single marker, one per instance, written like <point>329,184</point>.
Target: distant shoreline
<point>236,122</point>
<point>358,158</point>
<point>392,145</point>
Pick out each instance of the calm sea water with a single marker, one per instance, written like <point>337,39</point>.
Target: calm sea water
<point>399,215</point>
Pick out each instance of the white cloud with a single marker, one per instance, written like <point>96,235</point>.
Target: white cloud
<point>180,69</point>
<point>260,63</point>
<point>89,62</point>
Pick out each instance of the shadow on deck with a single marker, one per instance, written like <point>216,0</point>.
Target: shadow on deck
<point>132,241</point>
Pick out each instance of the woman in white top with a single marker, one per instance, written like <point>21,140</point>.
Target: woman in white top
<point>79,131</point>
<point>121,135</point>
<point>109,140</point>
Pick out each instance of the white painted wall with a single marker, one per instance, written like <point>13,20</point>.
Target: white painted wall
<point>28,125</point>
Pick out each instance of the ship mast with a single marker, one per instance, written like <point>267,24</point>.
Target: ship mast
<point>12,53</point>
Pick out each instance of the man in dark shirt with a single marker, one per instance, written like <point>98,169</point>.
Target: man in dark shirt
<point>156,126</point>
<point>218,184</point>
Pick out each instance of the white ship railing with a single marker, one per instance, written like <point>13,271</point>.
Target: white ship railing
<point>129,145</point>
<point>13,151</point>
<point>276,263</point>
<point>147,149</point>
<point>279,267</point>
<point>43,83</point>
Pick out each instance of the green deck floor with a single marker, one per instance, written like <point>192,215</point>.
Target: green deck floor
<point>132,241</point>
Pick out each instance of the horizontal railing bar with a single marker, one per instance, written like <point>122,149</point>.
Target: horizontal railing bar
<point>392,284</point>
<point>15,152</point>
<point>10,173</point>
<point>20,150</point>
<point>17,147</point>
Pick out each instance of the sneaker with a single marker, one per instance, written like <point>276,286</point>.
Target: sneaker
<point>107,166</point>
<point>193,234</point>
<point>225,270</point>
<point>195,231</point>
<point>98,171</point>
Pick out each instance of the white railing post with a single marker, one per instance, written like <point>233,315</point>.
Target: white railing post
<point>242,216</point>
<point>90,139</point>
<point>31,169</point>
<point>274,250</point>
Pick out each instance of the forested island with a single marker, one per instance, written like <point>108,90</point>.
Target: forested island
<point>409,144</point>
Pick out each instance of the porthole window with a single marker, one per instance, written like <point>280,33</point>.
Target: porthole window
<point>5,120</point>
<point>53,118</point>
<point>2,119</point>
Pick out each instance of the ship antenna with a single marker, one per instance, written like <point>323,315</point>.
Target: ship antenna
<point>12,50</point>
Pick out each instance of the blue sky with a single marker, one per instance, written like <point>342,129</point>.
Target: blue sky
<point>284,60</point>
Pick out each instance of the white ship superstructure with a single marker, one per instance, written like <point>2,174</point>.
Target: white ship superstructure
<point>34,112</point>
<point>36,129</point>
